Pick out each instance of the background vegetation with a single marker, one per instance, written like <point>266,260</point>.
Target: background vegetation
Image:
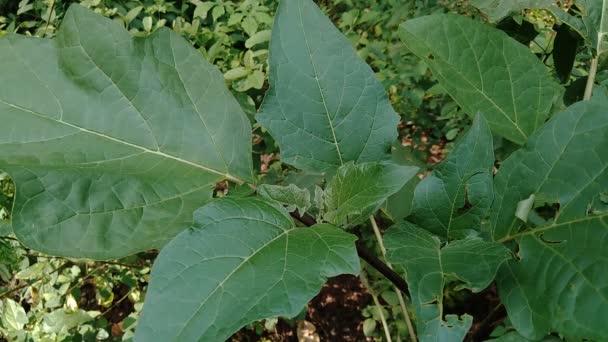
<point>53,299</point>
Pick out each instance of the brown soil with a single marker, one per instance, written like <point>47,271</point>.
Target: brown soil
<point>335,313</point>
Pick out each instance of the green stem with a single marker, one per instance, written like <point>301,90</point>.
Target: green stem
<point>363,278</point>
<point>408,322</point>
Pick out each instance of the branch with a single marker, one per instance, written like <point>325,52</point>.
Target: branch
<point>365,254</point>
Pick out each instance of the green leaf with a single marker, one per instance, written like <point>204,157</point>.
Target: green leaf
<point>559,283</point>
<point>116,140</point>
<point>498,9</point>
<point>243,261</point>
<point>586,19</point>
<point>13,315</point>
<point>291,196</point>
<point>418,253</point>
<point>485,71</point>
<point>5,228</point>
<point>453,199</point>
<point>61,321</point>
<point>258,38</point>
<point>325,106</point>
<point>357,191</point>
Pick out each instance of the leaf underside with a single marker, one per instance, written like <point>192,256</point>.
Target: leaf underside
<point>243,261</point>
<point>113,141</point>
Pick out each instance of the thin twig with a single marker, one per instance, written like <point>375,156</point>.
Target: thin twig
<point>377,303</point>
<point>48,20</point>
<point>408,322</point>
<point>366,255</point>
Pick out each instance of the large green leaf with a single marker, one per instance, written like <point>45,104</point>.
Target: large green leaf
<point>357,191</point>
<point>325,106</point>
<point>559,283</point>
<point>243,261</point>
<point>429,266</point>
<point>453,199</point>
<point>112,141</point>
<point>498,9</point>
<point>485,71</point>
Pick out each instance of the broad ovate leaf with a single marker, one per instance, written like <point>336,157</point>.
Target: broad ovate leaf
<point>428,265</point>
<point>325,106</point>
<point>498,9</point>
<point>291,196</point>
<point>113,141</point>
<point>242,261</point>
<point>453,199</point>
<point>485,71</point>
<point>559,283</point>
<point>358,190</point>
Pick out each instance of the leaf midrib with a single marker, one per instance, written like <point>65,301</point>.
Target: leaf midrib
<point>316,77</point>
<point>108,137</point>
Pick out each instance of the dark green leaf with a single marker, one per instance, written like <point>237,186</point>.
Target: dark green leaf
<point>559,283</point>
<point>485,71</point>
<point>113,142</point>
<point>325,106</point>
<point>243,261</point>
<point>453,199</point>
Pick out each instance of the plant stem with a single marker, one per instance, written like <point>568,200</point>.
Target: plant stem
<point>408,322</point>
<point>364,254</point>
<point>377,303</point>
<point>591,79</point>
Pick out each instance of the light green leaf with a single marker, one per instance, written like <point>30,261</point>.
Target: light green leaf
<point>485,71</point>
<point>258,38</point>
<point>147,22</point>
<point>61,321</point>
<point>357,191</point>
<point>453,199</point>
<point>429,266</point>
<point>236,73</point>
<point>291,196</point>
<point>132,14</point>
<point>116,140</point>
<point>325,106</point>
<point>498,9</point>
<point>243,261</point>
<point>13,315</point>
<point>559,282</point>
<point>202,9</point>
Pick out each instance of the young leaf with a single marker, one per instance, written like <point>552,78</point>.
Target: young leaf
<point>558,284</point>
<point>325,106</point>
<point>485,71</point>
<point>290,196</point>
<point>456,195</point>
<point>357,191</point>
<point>498,9</point>
<point>243,261</point>
<point>113,142</point>
<point>418,253</point>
